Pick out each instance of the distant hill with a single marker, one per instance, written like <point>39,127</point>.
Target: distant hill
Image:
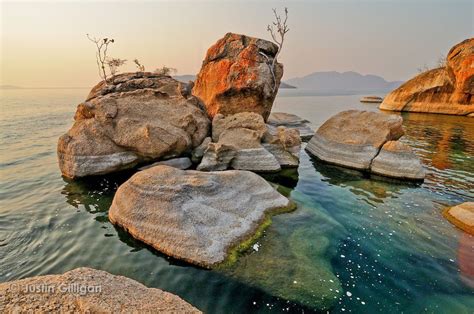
<point>334,82</point>
<point>188,77</point>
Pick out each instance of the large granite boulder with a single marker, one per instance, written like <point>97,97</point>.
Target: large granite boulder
<point>447,90</point>
<point>237,76</point>
<point>366,141</point>
<point>87,290</point>
<point>462,216</point>
<point>290,121</point>
<point>137,117</point>
<point>198,217</point>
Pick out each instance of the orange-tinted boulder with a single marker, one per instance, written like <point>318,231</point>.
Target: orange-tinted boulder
<point>237,76</point>
<point>447,90</point>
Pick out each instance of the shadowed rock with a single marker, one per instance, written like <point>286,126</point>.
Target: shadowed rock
<point>87,290</point>
<point>290,121</point>
<point>138,117</point>
<point>238,144</point>
<point>194,216</point>
<point>236,76</point>
<point>448,89</point>
<point>182,163</point>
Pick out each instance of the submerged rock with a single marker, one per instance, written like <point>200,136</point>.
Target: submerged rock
<point>290,121</point>
<point>137,117</point>
<point>87,290</point>
<point>462,216</point>
<point>397,160</point>
<point>447,90</point>
<point>293,260</point>
<point>236,76</point>
<point>198,217</point>
<point>356,139</point>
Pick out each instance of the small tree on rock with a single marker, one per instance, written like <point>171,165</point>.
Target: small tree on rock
<point>277,30</point>
<point>102,59</point>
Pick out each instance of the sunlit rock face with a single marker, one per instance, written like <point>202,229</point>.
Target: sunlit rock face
<point>447,90</point>
<point>462,216</point>
<point>136,117</point>
<point>366,141</point>
<point>87,290</point>
<point>194,216</point>
<point>236,76</point>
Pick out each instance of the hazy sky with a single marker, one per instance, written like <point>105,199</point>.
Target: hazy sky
<point>44,44</point>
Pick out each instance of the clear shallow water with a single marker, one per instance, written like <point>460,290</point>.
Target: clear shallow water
<point>354,244</point>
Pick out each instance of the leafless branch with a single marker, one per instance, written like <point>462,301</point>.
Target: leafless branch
<point>277,30</point>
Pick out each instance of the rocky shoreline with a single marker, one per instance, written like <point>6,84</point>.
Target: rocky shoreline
<point>198,195</point>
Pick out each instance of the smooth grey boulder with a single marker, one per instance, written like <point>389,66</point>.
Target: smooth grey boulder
<point>195,216</point>
<point>366,141</point>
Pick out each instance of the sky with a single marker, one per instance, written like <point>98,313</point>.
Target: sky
<point>44,44</point>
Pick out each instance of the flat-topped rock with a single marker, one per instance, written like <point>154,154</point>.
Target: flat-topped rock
<point>87,290</point>
<point>355,139</point>
<point>397,160</point>
<point>290,121</point>
<point>447,90</point>
<point>198,217</point>
<point>371,99</point>
<point>136,118</point>
<point>462,216</point>
<point>236,76</point>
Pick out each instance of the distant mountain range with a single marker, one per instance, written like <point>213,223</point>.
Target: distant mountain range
<point>333,82</point>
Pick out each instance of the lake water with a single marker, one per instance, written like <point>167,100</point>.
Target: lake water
<point>355,244</point>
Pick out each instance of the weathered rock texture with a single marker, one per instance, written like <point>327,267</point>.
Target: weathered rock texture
<point>86,290</point>
<point>238,145</point>
<point>462,216</point>
<point>194,216</point>
<point>290,121</point>
<point>397,160</point>
<point>284,144</point>
<point>236,76</point>
<point>138,117</point>
<point>447,90</point>
<point>366,141</point>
